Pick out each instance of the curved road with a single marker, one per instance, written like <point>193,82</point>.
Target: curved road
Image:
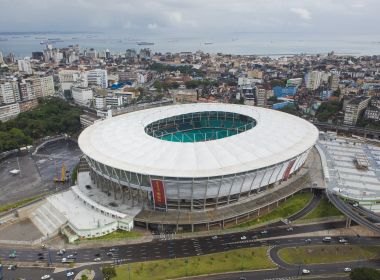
<point>348,210</point>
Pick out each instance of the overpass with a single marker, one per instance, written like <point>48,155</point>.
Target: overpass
<point>334,185</point>
<point>349,129</point>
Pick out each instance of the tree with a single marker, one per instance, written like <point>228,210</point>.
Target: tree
<point>109,272</point>
<point>327,110</point>
<point>290,109</point>
<point>364,273</point>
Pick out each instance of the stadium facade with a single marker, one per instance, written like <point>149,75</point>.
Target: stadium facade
<point>195,157</point>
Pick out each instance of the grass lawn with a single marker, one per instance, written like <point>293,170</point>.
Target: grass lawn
<point>327,253</point>
<point>323,209</point>
<point>285,209</point>
<point>118,234</point>
<point>236,260</point>
<point>19,203</point>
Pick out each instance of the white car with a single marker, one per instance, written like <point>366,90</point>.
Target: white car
<point>47,276</point>
<point>97,259</point>
<point>355,204</point>
<point>347,269</point>
<point>214,237</point>
<point>243,237</point>
<point>70,273</point>
<point>305,271</point>
<point>290,229</point>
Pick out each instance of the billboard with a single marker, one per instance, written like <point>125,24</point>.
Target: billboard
<point>158,193</point>
<point>288,168</point>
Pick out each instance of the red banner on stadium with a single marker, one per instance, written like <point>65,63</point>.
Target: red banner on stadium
<point>158,192</point>
<point>287,171</point>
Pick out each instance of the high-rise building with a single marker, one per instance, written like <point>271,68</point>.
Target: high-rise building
<point>97,77</point>
<point>313,80</point>
<point>1,58</point>
<point>9,92</point>
<point>354,108</point>
<point>27,90</point>
<point>261,97</point>
<point>108,54</point>
<point>42,86</point>
<point>334,82</point>
<point>25,66</point>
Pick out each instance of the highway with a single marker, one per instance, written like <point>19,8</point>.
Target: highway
<point>352,213</point>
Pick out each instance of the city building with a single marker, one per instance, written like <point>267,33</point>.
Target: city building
<point>97,77</point>
<point>313,80</point>
<point>1,58</point>
<point>372,113</point>
<point>26,90</point>
<point>284,91</point>
<point>25,66</point>
<point>9,111</point>
<point>354,108</point>
<point>99,102</point>
<point>261,97</point>
<point>82,96</point>
<point>9,92</point>
<point>334,82</point>
<point>114,101</point>
<point>67,78</point>
<point>28,105</point>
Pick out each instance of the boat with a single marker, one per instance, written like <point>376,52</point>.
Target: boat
<point>209,43</point>
<point>145,43</point>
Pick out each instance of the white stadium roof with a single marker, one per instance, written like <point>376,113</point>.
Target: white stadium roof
<point>121,142</point>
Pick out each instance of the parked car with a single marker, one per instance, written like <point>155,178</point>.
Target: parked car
<point>305,271</point>
<point>243,237</point>
<point>47,276</point>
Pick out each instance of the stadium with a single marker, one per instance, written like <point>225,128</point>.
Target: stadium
<point>191,160</point>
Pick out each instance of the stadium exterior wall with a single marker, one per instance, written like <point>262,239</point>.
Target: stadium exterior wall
<point>193,194</point>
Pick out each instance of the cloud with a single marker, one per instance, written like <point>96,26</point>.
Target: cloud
<point>302,13</point>
<point>152,26</point>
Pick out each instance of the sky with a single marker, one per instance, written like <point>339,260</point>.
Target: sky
<point>191,17</point>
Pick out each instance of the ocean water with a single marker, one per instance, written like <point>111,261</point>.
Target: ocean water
<point>259,43</point>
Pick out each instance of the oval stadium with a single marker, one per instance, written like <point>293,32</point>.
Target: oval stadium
<point>196,164</point>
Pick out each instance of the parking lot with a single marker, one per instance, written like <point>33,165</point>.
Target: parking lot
<point>36,172</point>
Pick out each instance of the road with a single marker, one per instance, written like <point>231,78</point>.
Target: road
<point>170,249</point>
<point>351,212</point>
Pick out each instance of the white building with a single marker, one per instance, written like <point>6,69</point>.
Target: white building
<point>9,92</point>
<point>97,77</point>
<point>9,111</point>
<point>313,80</point>
<point>67,78</point>
<point>1,58</point>
<point>25,66</point>
<point>114,100</point>
<point>82,96</point>
<point>100,102</point>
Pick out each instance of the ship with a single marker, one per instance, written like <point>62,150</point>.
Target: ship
<point>145,43</point>
<point>208,43</point>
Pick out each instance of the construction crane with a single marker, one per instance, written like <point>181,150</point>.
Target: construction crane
<point>62,178</point>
